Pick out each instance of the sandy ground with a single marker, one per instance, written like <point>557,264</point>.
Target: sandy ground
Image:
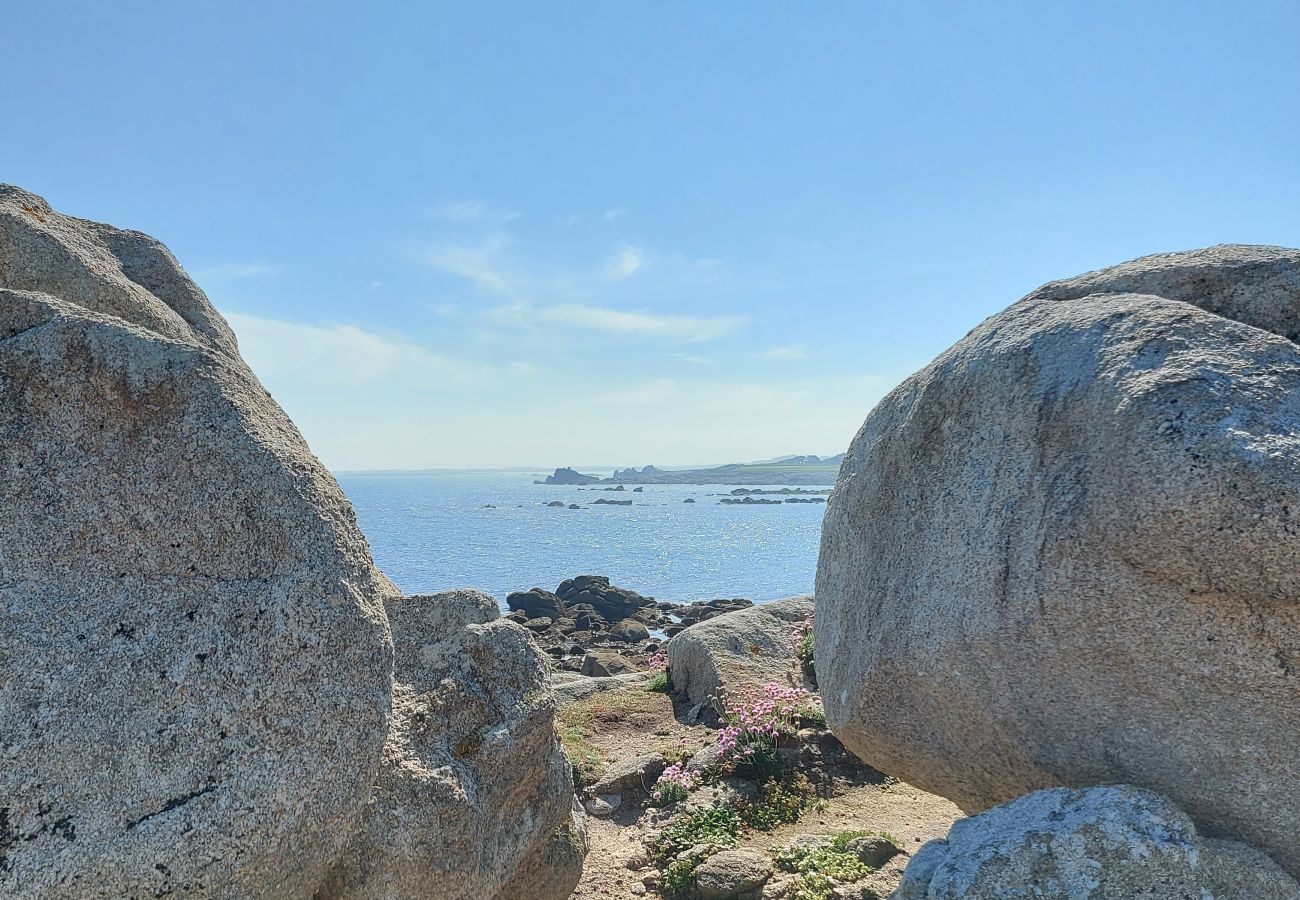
<point>627,724</point>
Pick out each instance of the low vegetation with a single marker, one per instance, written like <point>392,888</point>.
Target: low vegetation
<point>820,869</point>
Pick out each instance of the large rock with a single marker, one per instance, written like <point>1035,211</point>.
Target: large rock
<point>536,603</point>
<point>611,601</point>
<point>739,650</point>
<point>474,788</point>
<point>1104,843</point>
<point>194,660</point>
<point>1068,550</point>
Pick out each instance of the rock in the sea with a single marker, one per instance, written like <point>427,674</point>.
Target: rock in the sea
<point>1068,550</point>
<point>1102,843</point>
<point>741,650</point>
<point>731,873</point>
<point>194,661</point>
<point>536,603</point>
<point>610,601</point>
<point>474,787</point>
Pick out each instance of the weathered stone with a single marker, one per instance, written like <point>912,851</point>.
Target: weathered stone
<point>1068,550</point>
<point>1104,843</point>
<point>738,650</point>
<point>730,873</point>
<point>629,631</point>
<point>474,786</point>
<point>570,687</point>
<point>193,654</point>
<point>604,663</point>
<point>630,777</point>
<point>873,850</point>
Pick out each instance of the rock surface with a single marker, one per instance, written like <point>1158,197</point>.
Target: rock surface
<point>1104,843</point>
<point>730,873</point>
<point>194,661</point>
<point>536,603</point>
<point>1068,550</point>
<point>743,649</point>
<point>474,788</point>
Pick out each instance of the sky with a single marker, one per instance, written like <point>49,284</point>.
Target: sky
<point>620,233</point>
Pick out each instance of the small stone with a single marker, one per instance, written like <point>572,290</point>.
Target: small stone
<point>873,851</point>
<point>731,872</point>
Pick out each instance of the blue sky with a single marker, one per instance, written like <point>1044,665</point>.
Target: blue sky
<point>485,234</point>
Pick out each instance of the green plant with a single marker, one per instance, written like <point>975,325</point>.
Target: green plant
<point>811,716</point>
<point>759,761</point>
<point>781,801</point>
<point>805,651</point>
<point>660,683</point>
<point>716,826</point>
<point>678,880</point>
<point>820,869</point>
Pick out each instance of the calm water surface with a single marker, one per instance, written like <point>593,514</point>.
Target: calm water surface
<point>432,531</point>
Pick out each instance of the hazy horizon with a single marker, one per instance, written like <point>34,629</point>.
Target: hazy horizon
<point>454,236</point>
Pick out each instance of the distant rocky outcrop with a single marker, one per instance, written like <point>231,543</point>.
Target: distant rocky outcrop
<point>1104,843</point>
<point>743,649</point>
<point>474,789</point>
<point>1068,550</point>
<point>568,476</point>
<point>194,673</point>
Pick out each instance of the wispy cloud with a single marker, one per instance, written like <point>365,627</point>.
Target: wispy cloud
<point>692,359</point>
<point>785,352</point>
<point>625,263</point>
<point>477,262</point>
<point>471,212</point>
<point>338,354</point>
<point>613,215</point>
<point>234,271</point>
<point>692,329</point>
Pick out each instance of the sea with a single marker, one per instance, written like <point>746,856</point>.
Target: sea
<point>432,531</point>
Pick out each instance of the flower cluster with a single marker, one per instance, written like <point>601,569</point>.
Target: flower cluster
<point>674,784</point>
<point>658,661</point>
<point>755,723</point>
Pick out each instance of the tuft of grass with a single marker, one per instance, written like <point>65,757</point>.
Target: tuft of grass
<point>627,710</point>
<point>587,763</point>
<point>660,683</point>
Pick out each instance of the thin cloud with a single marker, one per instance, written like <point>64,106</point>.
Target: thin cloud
<point>693,360</point>
<point>471,212</point>
<point>613,215</point>
<point>692,329</point>
<point>625,263</point>
<point>337,354</point>
<point>786,352</point>
<point>476,262</point>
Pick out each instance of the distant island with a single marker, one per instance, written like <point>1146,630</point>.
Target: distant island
<point>791,470</point>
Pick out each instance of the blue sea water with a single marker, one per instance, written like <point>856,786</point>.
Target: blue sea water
<point>433,531</point>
